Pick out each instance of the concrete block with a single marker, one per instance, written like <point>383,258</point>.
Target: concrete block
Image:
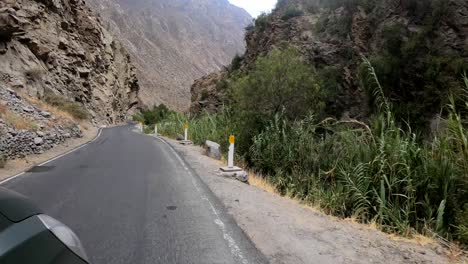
<point>213,149</point>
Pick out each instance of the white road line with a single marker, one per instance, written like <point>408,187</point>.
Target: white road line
<point>52,159</point>
<point>235,250</point>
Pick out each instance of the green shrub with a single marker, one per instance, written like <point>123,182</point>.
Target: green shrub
<point>291,12</point>
<point>204,95</point>
<point>262,21</point>
<point>250,27</point>
<point>462,225</point>
<point>280,80</point>
<point>153,115</point>
<point>280,4</point>
<point>222,85</point>
<point>236,62</point>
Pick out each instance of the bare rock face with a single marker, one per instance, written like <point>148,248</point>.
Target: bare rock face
<point>207,93</point>
<point>60,47</point>
<point>174,42</point>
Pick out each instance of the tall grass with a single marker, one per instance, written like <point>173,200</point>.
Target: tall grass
<point>375,172</point>
<point>216,128</point>
<point>380,174</point>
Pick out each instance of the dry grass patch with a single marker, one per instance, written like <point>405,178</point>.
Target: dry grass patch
<point>416,239</point>
<point>3,109</point>
<point>57,112</point>
<point>76,110</point>
<point>3,161</point>
<point>34,73</point>
<point>261,183</point>
<point>17,121</point>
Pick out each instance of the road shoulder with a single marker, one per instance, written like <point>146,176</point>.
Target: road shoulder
<point>14,167</point>
<point>288,232</point>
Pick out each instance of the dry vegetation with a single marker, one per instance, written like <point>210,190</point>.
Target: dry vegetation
<point>55,111</point>
<point>64,116</point>
<point>261,183</point>
<point>76,110</point>
<point>3,161</point>
<point>3,109</point>
<point>34,73</point>
<point>15,120</point>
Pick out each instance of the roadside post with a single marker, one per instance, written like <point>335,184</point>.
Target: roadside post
<point>231,170</point>
<point>231,152</point>
<point>186,141</point>
<point>156,129</point>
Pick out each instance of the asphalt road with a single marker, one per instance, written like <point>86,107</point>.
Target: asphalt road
<point>132,200</point>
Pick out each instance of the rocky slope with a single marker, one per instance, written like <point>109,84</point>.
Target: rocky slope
<point>418,48</point>
<point>174,42</point>
<point>27,129</point>
<point>60,47</point>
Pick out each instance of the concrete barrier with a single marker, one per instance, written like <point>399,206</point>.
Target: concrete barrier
<point>213,149</point>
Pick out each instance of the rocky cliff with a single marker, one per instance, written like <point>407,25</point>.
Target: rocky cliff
<point>419,50</point>
<point>174,42</point>
<point>59,47</point>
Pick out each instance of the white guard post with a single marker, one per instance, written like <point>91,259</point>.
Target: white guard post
<point>231,170</point>
<point>156,129</point>
<point>231,152</point>
<point>186,141</point>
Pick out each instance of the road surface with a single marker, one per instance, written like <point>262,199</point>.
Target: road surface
<point>132,200</point>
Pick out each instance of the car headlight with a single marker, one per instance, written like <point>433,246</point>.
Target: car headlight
<point>64,234</point>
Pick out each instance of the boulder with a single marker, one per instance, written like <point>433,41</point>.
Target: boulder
<point>28,109</point>
<point>213,149</point>
<point>46,114</point>
<point>38,141</point>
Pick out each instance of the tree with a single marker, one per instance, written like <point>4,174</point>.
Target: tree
<point>279,82</point>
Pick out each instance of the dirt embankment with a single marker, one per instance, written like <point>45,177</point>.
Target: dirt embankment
<point>288,232</point>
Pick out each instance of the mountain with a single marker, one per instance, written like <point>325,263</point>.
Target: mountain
<point>59,47</point>
<point>174,42</point>
<point>419,50</point>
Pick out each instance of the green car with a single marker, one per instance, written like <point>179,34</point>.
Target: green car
<point>28,236</point>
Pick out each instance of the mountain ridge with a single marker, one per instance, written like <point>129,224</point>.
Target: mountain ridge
<point>174,43</point>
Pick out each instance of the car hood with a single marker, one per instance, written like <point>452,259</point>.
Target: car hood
<point>16,207</point>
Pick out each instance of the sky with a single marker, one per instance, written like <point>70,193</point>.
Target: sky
<point>255,7</point>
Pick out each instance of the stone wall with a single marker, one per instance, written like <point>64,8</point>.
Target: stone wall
<point>45,132</point>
